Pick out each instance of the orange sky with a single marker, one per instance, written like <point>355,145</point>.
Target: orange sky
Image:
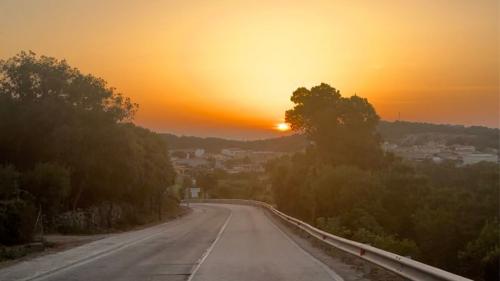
<point>228,68</point>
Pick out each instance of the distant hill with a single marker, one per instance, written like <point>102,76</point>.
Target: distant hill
<point>281,144</point>
<point>399,132</point>
<point>417,133</point>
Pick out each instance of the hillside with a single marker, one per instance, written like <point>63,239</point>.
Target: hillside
<point>281,144</point>
<point>411,133</point>
<point>401,132</point>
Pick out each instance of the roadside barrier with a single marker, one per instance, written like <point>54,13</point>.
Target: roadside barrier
<point>403,266</point>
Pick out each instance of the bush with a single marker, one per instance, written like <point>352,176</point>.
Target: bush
<point>9,180</point>
<point>386,242</point>
<point>17,221</point>
<point>49,183</point>
<point>333,226</point>
<point>380,240</point>
<point>481,257</point>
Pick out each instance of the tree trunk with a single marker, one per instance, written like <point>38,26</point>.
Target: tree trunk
<point>151,205</point>
<point>77,197</point>
<point>79,192</point>
<point>110,215</point>
<point>160,205</point>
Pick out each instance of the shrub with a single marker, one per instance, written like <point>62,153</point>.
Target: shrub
<point>9,181</point>
<point>49,183</point>
<point>17,221</point>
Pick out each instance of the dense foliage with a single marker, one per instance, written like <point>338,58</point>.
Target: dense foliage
<point>342,129</point>
<point>66,144</point>
<point>441,214</point>
<point>249,185</point>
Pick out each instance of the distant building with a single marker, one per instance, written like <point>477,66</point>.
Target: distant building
<point>234,152</point>
<point>464,149</point>
<point>199,152</point>
<point>192,162</point>
<point>195,192</point>
<point>437,159</point>
<point>389,147</point>
<point>474,158</point>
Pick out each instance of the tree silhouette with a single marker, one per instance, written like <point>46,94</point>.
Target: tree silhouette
<point>342,129</point>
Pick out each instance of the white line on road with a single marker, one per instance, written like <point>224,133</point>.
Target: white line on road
<point>209,250</point>
<point>91,258</point>
<point>330,272</point>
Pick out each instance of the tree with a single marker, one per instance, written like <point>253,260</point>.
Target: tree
<point>346,185</point>
<point>342,129</point>
<point>27,78</point>
<point>49,183</point>
<point>291,185</point>
<point>206,181</point>
<point>186,184</point>
<point>78,130</point>
<point>17,213</point>
<point>9,182</point>
<point>17,221</point>
<point>482,255</point>
<point>342,189</point>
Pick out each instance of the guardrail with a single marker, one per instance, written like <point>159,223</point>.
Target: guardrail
<point>403,266</point>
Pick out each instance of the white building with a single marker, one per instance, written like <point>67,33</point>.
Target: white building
<point>192,162</point>
<point>234,152</point>
<point>195,192</point>
<point>464,149</point>
<point>199,152</point>
<point>474,158</point>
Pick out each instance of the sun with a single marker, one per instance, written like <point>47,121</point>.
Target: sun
<point>283,127</point>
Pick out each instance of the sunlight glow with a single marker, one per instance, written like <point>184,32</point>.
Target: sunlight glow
<point>282,127</point>
<point>233,75</point>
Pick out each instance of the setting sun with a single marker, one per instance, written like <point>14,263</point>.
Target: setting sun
<point>282,127</point>
<point>343,133</point>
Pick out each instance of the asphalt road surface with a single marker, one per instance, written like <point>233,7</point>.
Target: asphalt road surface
<point>213,243</point>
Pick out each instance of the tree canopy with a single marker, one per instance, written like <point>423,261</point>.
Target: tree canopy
<point>343,129</point>
<point>68,141</point>
<point>344,184</point>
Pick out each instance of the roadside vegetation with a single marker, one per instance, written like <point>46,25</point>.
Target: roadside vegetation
<point>71,160</point>
<point>441,214</point>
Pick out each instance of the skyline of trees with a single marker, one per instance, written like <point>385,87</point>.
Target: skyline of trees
<point>376,198</point>
<point>67,143</point>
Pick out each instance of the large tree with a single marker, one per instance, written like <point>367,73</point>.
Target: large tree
<point>207,181</point>
<point>343,129</point>
<point>52,113</point>
<point>28,78</point>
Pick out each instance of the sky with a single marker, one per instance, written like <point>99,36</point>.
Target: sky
<point>228,68</point>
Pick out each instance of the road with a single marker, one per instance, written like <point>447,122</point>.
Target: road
<point>252,247</point>
<point>214,242</point>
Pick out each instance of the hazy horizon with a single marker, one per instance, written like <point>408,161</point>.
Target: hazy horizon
<point>228,68</point>
<point>290,133</point>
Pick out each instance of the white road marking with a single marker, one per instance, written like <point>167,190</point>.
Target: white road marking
<point>209,250</point>
<point>91,258</point>
<point>45,275</point>
<point>330,272</point>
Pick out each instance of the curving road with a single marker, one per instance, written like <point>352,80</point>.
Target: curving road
<point>213,243</point>
<point>252,247</point>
